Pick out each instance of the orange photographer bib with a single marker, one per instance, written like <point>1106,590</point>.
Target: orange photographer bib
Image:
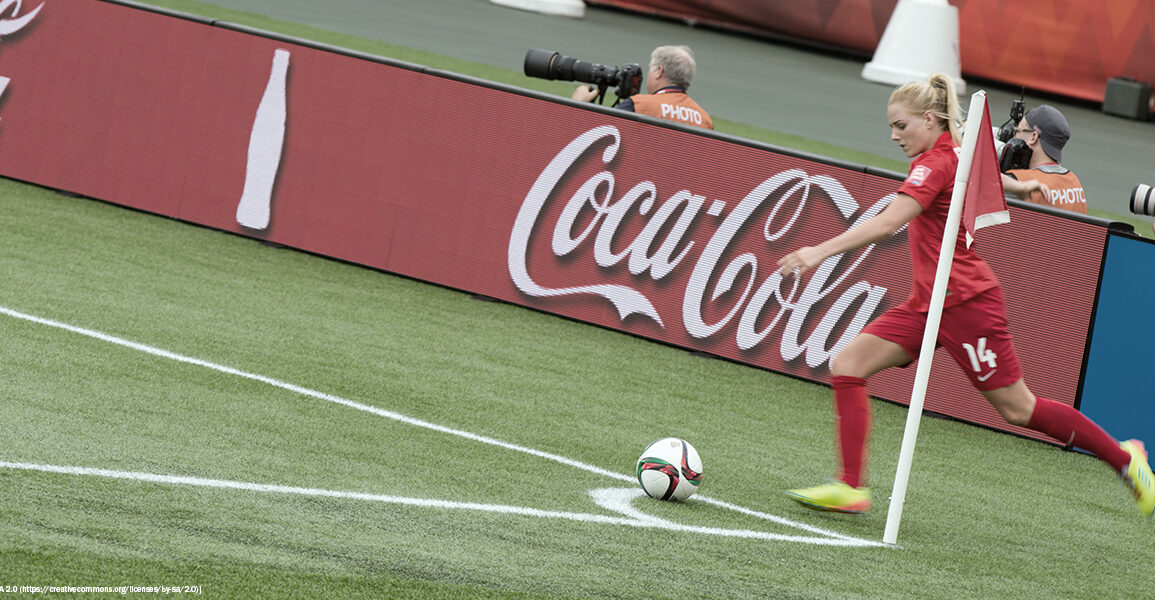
<point>1066,190</point>
<point>673,106</point>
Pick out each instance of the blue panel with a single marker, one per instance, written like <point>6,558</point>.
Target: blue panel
<point>1119,386</point>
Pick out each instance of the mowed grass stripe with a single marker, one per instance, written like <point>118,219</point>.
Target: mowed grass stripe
<point>830,538</point>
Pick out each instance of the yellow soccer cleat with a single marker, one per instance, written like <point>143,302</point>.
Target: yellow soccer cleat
<point>1138,477</point>
<point>834,497</point>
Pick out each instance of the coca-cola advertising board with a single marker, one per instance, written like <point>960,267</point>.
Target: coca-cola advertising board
<point>655,230</point>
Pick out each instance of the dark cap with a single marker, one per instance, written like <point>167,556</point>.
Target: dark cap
<point>1052,127</point>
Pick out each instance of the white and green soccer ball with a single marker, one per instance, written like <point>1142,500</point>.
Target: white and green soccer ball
<point>670,469</point>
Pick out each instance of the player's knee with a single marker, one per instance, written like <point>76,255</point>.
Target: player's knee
<point>845,365</point>
<point>1016,415</point>
<point>1015,403</point>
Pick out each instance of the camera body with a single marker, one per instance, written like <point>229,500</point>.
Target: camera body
<point>1016,154</point>
<point>547,64</point>
<point>1007,130</point>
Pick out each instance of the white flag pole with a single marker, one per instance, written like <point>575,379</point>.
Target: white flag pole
<point>934,315</point>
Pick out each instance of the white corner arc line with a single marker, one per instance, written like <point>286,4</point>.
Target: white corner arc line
<point>612,498</point>
<point>837,538</point>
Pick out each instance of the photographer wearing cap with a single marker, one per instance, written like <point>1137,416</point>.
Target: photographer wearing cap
<point>670,72</point>
<point>1045,131</point>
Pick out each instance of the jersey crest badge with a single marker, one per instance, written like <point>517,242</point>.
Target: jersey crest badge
<point>918,175</point>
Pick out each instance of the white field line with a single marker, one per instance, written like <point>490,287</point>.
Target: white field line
<point>830,537</point>
<point>615,499</point>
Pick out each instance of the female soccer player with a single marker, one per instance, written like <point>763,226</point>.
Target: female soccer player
<point>924,119</point>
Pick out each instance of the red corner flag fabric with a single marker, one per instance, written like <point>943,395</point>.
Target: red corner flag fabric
<point>985,203</point>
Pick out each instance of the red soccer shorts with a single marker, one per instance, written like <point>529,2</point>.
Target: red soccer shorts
<point>974,333</point>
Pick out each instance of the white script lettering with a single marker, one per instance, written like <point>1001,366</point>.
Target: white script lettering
<point>595,214</point>
<point>10,26</point>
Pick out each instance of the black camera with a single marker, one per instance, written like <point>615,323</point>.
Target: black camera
<point>547,64</point>
<point>1018,109</point>
<point>1016,154</point>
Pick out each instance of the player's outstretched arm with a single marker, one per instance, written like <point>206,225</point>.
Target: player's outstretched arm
<point>878,228</point>
<point>1023,189</point>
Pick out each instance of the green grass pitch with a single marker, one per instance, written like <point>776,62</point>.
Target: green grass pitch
<point>184,407</point>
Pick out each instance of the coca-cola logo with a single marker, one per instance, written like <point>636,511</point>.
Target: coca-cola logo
<point>10,25</point>
<point>759,300</point>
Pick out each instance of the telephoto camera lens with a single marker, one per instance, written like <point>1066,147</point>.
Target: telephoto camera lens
<point>547,64</point>
<point>1143,200</point>
<point>539,63</point>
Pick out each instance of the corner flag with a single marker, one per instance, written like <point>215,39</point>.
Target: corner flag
<point>985,202</point>
<point>978,181</point>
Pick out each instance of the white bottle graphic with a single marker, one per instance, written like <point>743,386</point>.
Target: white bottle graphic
<point>265,145</point>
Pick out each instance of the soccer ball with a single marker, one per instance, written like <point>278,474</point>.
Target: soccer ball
<point>670,469</point>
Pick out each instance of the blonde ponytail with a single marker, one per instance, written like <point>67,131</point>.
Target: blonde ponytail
<point>936,94</point>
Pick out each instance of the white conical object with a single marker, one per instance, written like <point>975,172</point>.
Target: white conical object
<point>265,144</point>
<point>565,8</point>
<point>921,38</point>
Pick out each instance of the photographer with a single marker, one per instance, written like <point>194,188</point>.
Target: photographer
<point>670,72</point>
<point>1045,131</point>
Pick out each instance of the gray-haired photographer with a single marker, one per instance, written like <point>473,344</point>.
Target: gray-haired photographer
<point>667,77</point>
<point>1033,146</point>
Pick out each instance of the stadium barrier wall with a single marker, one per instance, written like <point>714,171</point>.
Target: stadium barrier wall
<point>1067,48</point>
<point>642,226</point>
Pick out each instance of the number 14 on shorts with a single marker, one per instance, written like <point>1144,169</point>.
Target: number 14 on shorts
<point>980,354</point>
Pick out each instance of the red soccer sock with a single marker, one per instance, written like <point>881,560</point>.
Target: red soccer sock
<point>852,411</point>
<point>1073,428</point>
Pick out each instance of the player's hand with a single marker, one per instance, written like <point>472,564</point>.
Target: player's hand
<point>1044,190</point>
<point>1034,185</point>
<point>585,93</point>
<point>800,261</point>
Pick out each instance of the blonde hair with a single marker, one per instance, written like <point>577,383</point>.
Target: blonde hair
<point>937,95</point>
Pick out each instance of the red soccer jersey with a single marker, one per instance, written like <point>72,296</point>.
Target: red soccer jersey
<point>930,182</point>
